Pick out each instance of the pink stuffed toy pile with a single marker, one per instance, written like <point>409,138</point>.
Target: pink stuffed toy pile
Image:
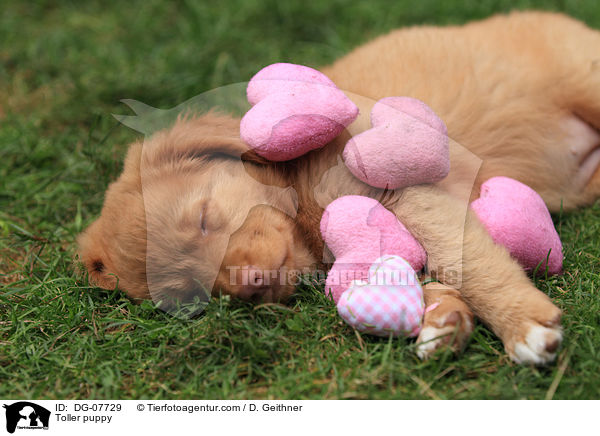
<point>374,282</point>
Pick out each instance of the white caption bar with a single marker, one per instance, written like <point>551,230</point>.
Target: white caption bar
<point>305,418</point>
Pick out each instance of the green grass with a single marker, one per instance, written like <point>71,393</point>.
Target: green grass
<point>64,66</point>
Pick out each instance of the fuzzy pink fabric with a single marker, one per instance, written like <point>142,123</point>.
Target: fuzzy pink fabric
<point>408,145</point>
<point>387,109</point>
<point>358,230</point>
<point>515,216</point>
<point>283,77</point>
<point>296,110</point>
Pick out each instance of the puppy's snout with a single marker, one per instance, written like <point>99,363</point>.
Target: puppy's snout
<point>256,285</point>
<point>256,277</point>
<point>259,258</point>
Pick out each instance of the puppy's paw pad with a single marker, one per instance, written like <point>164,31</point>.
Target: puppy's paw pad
<point>539,345</point>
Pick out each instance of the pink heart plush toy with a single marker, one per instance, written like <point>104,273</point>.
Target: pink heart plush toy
<point>517,217</point>
<point>408,145</point>
<point>359,231</point>
<point>296,109</point>
<point>391,302</point>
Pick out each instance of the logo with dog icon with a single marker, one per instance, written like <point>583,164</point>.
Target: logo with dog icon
<point>26,415</point>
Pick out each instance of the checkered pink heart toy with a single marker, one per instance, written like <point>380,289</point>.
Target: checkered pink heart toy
<point>390,303</point>
<point>295,110</point>
<point>408,145</point>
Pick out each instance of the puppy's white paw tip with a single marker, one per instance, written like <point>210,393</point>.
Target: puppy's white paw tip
<point>430,339</point>
<point>539,347</point>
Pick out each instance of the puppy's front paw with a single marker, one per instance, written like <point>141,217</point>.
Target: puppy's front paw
<point>536,338</point>
<point>538,346</point>
<point>448,325</point>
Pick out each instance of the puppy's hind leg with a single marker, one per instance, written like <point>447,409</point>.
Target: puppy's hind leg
<point>586,109</point>
<point>582,130</point>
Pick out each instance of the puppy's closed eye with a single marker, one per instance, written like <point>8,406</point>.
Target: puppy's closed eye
<point>210,218</point>
<point>204,217</point>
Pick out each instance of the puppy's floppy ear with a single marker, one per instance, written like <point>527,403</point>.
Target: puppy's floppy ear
<point>93,254</point>
<point>253,157</point>
<point>208,136</point>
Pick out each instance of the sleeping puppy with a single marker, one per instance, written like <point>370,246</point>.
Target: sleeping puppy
<point>193,207</point>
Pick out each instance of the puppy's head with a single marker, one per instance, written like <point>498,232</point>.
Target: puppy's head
<point>193,212</point>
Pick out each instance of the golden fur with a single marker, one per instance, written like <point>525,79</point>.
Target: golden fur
<point>521,91</point>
